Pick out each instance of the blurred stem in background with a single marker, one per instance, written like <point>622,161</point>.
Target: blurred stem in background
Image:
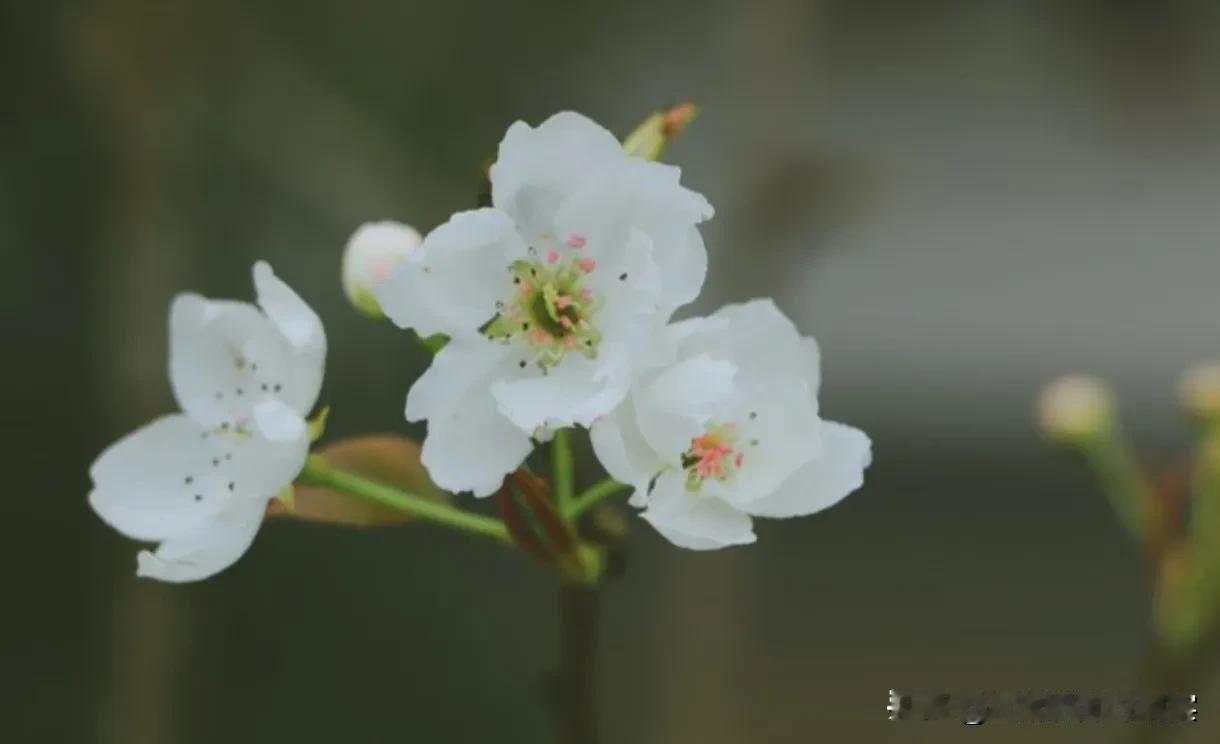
<point>1078,412</point>
<point>1178,527</point>
<point>571,689</point>
<point>1188,607</point>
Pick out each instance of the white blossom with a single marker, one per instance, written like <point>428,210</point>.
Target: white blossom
<point>727,428</point>
<point>198,482</point>
<point>548,297</point>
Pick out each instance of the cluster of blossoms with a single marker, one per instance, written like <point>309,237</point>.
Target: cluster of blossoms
<point>555,303</point>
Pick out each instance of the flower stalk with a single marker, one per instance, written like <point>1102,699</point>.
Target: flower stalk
<point>1122,478</point>
<point>1190,595</point>
<point>592,496</point>
<point>1078,411</point>
<point>318,473</point>
<point>562,467</point>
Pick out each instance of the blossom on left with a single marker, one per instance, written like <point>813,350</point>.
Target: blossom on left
<point>198,482</point>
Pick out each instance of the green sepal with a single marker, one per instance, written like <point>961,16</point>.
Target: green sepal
<point>433,343</point>
<point>288,497</point>
<point>653,136</point>
<point>317,424</point>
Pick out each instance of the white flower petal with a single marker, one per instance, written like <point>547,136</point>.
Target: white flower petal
<point>674,407</point>
<point>779,432</point>
<point>569,394</point>
<point>145,485</point>
<point>646,198</point>
<point>474,449</point>
<point>290,314</point>
<point>825,481</point>
<point>452,282</point>
<point>470,445</point>
<point>629,283</point>
<point>298,323</point>
<point>699,521</point>
<point>212,547</point>
<point>684,265</point>
<point>623,451</point>
<point>536,169</point>
<point>279,422</point>
<point>172,476</point>
<point>759,338</point>
<point>212,345</point>
<point>461,367</point>
<point>260,463</point>
<point>260,468</point>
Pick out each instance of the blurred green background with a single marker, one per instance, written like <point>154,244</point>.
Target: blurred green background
<point>960,199</point>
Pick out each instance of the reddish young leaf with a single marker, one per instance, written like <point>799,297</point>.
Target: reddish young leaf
<point>386,458</point>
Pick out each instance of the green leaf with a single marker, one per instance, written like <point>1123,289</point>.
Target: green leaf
<point>389,459</point>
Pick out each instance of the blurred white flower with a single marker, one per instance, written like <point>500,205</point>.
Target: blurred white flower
<point>1074,409</point>
<point>728,428</point>
<point>548,298</point>
<point>1199,390</point>
<point>371,256</point>
<point>199,482</point>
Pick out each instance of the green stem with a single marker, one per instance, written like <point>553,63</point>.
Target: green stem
<point>592,496</point>
<point>318,473</point>
<point>1123,481</point>
<point>562,469</point>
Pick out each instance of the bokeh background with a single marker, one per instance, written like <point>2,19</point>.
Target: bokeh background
<point>960,199</point>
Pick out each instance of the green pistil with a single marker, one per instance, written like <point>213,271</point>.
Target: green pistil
<point>550,310</point>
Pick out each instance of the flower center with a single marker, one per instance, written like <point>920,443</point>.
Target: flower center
<point>551,310</point>
<point>241,388</point>
<point>713,455</point>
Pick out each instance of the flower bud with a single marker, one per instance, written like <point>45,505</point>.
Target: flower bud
<point>650,139</point>
<point>1199,391</point>
<point>1075,409</point>
<point>371,255</point>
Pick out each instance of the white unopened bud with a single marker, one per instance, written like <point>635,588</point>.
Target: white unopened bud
<point>371,255</point>
<point>1075,408</point>
<point>1199,391</point>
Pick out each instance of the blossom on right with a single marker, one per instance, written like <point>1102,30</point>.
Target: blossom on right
<point>725,427</point>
